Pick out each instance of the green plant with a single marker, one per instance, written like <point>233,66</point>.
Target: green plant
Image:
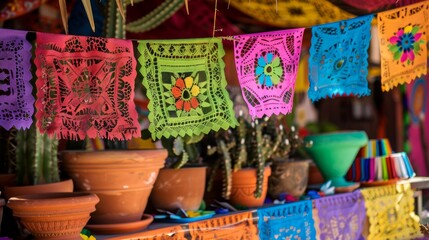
<point>36,157</point>
<point>182,151</point>
<point>251,144</point>
<point>236,148</point>
<point>289,145</point>
<point>7,150</point>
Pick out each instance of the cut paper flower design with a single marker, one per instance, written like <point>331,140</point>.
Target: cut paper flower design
<point>16,99</point>
<point>403,50</point>
<point>338,62</point>
<point>267,65</point>
<point>86,87</point>
<point>287,221</point>
<point>185,84</point>
<point>340,216</point>
<point>186,92</point>
<point>390,212</point>
<point>405,44</point>
<point>269,71</point>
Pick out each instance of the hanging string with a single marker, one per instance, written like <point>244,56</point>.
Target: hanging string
<point>232,38</point>
<point>214,19</point>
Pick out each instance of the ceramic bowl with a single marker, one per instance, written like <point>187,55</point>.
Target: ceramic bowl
<point>335,152</point>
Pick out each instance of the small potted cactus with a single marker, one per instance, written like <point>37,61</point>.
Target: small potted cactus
<point>289,172</point>
<point>39,190</point>
<point>36,164</point>
<point>241,154</point>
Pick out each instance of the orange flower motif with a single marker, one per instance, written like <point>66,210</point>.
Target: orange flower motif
<point>185,92</point>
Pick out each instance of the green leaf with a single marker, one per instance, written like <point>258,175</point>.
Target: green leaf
<point>179,113</point>
<point>416,47</point>
<point>170,100</point>
<point>193,113</point>
<point>205,104</point>
<point>202,98</point>
<point>196,79</point>
<point>397,55</point>
<point>393,48</point>
<point>171,108</point>
<point>202,84</point>
<point>167,94</point>
<point>167,86</point>
<point>415,30</point>
<point>199,111</point>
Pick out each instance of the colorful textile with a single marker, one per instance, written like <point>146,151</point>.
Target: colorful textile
<point>287,221</point>
<point>267,65</point>
<point>16,99</point>
<point>86,87</point>
<point>403,38</point>
<point>185,84</point>
<point>390,210</point>
<point>339,58</point>
<point>341,216</point>
<point>292,13</point>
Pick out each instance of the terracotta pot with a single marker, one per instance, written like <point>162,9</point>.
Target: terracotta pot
<point>122,180</point>
<point>315,176</point>
<point>63,186</point>
<point>179,188</point>
<point>244,185</point>
<point>54,215</point>
<point>289,177</point>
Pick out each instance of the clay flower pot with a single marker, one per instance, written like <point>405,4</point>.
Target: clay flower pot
<point>314,176</point>
<point>290,177</point>
<point>122,179</point>
<point>54,215</point>
<point>63,186</point>
<point>244,185</point>
<point>179,188</point>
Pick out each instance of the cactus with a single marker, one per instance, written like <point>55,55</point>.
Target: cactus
<point>251,145</point>
<point>258,157</point>
<point>7,149</point>
<point>240,147</point>
<point>182,150</point>
<point>36,157</point>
